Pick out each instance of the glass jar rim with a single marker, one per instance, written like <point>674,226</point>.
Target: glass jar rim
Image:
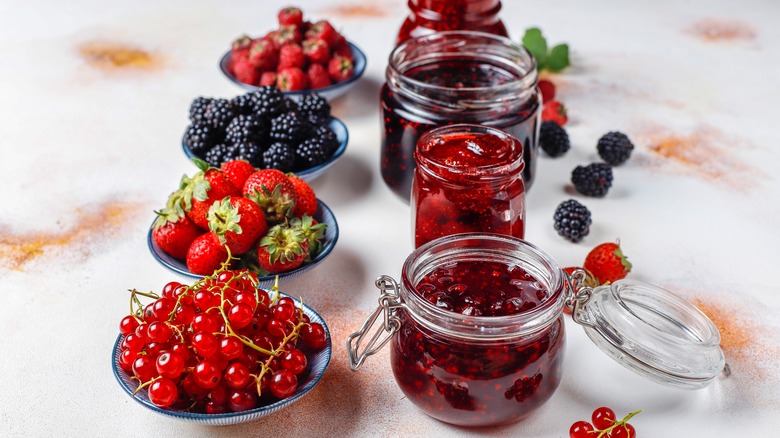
<point>446,322</point>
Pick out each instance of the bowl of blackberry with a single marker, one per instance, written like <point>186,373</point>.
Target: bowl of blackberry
<point>267,129</point>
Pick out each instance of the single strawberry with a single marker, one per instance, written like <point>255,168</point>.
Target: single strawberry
<point>263,54</point>
<point>313,232</point>
<point>548,90</point>
<point>290,16</point>
<point>245,72</point>
<point>237,171</point>
<point>282,249</point>
<point>273,192</point>
<point>206,254</point>
<point>306,200</point>
<point>323,30</point>
<point>555,111</point>
<point>239,51</point>
<point>199,192</point>
<point>237,222</point>
<point>318,76</point>
<point>268,78</point>
<point>340,68</point>
<point>339,42</point>
<point>287,34</point>
<point>291,55</point>
<point>607,263</point>
<point>292,79</point>
<point>316,51</point>
<point>344,51</point>
<point>173,233</point>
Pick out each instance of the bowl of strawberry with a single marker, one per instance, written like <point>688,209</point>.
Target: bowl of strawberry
<point>273,225</point>
<point>298,57</point>
<point>220,351</point>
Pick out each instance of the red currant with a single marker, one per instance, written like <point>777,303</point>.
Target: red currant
<point>170,365</point>
<point>149,313</point>
<point>219,394</point>
<point>230,348</point>
<point>262,299</point>
<point>240,315</point>
<point>140,331</point>
<point>126,359</point>
<point>314,336</point>
<point>205,344</point>
<point>182,295</point>
<point>203,300</point>
<point>205,322</point>
<point>163,393</point>
<point>206,374</point>
<point>277,328</point>
<point>263,340</point>
<point>294,361</point>
<point>184,314</point>
<point>247,298</point>
<point>259,321</point>
<point>133,342</point>
<point>236,375</point>
<point>191,387</point>
<point>168,289</point>
<point>283,312</point>
<point>603,417</point>
<point>283,384</point>
<point>144,368</point>
<point>285,300</point>
<point>128,325</point>
<point>159,331</point>
<point>153,349</point>
<point>242,400</point>
<point>581,429</point>
<point>248,357</point>
<point>213,408</point>
<point>623,431</point>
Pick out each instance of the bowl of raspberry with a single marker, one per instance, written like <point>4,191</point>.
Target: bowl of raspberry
<point>299,57</point>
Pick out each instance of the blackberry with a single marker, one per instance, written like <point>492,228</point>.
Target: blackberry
<point>279,156</point>
<point>219,113</point>
<point>245,128</point>
<point>553,139</point>
<point>243,104</point>
<point>592,180</point>
<point>199,138</point>
<point>615,148</point>
<point>329,140</point>
<point>572,220</point>
<point>198,109</point>
<point>268,102</point>
<point>310,153</point>
<point>315,108</point>
<point>249,151</point>
<point>289,128</point>
<point>216,155</point>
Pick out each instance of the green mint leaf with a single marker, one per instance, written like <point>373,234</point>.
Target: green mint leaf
<point>534,41</point>
<point>559,58</point>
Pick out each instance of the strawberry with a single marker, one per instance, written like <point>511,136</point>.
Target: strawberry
<point>287,34</point>
<point>291,55</point>
<point>323,30</point>
<point>312,231</point>
<point>268,78</point>
<point>555,111</point>
<point>316,51</point>
<point>306,199</point>
<point>199,192</point>
<point>339,42</point>
<point>206,254</point>
<point>237,171</point>
<point>340,68</point>
<point>282,249</point>
<point>239,51</point>
<point>318,76</point>
<point>273,192</point>
<point>263,54</point>
<point>344,51</point>
<point>290,16</point>
<point>173,233</point>
<point>548,90</point>
<point>607,263</point>
<point>237,222</point>
<point>291,79</point>
<point>245,72</point>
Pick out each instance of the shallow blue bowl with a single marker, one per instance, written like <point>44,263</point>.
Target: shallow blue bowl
<point>318,362</point>
<point>323,215</point>
<point>329,93</point>
<point>342,135</point>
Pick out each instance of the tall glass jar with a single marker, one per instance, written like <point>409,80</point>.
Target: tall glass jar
<point>467,180</point>
<point>430,16</point>
<point>456,77</point>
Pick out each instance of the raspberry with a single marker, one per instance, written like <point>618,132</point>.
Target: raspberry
<point>340,68</point>
<point>279,156</point>
<point>553,139</point>
<point>322,30</point>
<point>592,180</point>
<point>615,148</point>
<point>291,79</point>
<point>268,78</point>
<point>263,54</point>
<point>199,138</point>
<point>290,16</point>
<point>291,55</point>
<point>316,51</point>
<point>318,76</point>
<point>315,108</point>
<point>572,220</point>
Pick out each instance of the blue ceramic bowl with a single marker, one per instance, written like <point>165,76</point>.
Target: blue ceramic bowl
<point>317,363</point>
<point>323,215</point>
<point>328,93</point>
<point>337,126</point>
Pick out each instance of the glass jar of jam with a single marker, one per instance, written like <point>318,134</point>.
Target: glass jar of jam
<point>456,77</point>
<point>467,179</point>
<point>429,16</point>
<point>477,334</point>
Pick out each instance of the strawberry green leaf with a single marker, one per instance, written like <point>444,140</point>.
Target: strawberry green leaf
<point>202,165</point>
<point>558,58</point>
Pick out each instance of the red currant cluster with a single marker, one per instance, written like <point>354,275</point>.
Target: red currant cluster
<point>604,425</point>
<point>218,345</point>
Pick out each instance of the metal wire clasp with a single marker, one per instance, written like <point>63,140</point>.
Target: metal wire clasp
<point>577,295</point>
<point>388,302</point>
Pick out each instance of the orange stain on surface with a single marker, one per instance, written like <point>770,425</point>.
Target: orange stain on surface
<point>114,56</point>
<point>357,10</point>
<point>16,250</point>
<point>713,30</point>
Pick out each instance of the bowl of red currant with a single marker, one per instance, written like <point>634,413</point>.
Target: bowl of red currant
<point>220,351</point>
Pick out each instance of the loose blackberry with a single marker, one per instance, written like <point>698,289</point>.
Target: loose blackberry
<point>553,139</point>
<point>199,138</point>
<point>268,102</point>
<point>245,128</point>
<point>329,140</point>
<point>231,153</point>
<point>216,155</point>
<point>219,113</point>
<point>198,109</point>
<point>289,128</point>
<point>310,153</point>
<point>315,108</point>
<point>243,104</point>
<point>279,156</point>
<point>250,152</point>
<point>592,180</point>
<point>572,220</point>
<point>615,148</point>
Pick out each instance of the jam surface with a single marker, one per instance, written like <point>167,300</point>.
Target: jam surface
<point>478,382</point>
<point>460,74</point>
<point>469,150</point>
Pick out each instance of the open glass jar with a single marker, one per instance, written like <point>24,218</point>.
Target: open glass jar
<point>429,16</point>
<point>466,360</point>
<point>456,77</point>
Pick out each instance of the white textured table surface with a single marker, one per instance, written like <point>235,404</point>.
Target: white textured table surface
<point>89,151</point>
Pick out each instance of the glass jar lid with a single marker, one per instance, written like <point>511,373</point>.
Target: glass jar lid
<point>652,332</point>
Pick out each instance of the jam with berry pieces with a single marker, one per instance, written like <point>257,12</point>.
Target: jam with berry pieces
<point>481,337</point>
<point>456,77</point>
<point>467,179</point>
<point>429,16</point>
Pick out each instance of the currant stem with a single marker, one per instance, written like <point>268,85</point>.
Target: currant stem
<point>605,432</point>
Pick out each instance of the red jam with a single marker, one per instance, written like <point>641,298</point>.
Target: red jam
<point>430,16</point>
<point>467,179</point>
<point>476,382</point>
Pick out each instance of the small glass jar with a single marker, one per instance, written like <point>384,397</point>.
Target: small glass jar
<point>430,16</point>
<point>467,179</point>
<point>456,77</point>
<point>467,362</point>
